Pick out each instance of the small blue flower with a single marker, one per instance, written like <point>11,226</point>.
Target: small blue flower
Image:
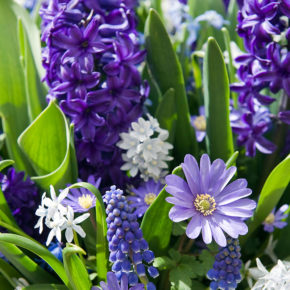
<point>275,220</point>
<point>199,124</point>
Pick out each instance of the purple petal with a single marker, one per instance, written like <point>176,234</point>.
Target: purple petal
<point>218,234</point>
<point>233,196</point>
<point>206,231</point>
<point>178,214</point>
<point>194,227</point>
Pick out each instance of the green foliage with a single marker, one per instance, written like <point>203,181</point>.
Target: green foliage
<point>232,160</point>
<point>46,287</point>
<point>167,72</point>
<point>166,114</point>
<point>156,225</point>
<point>24,264</point>
<point>219,138</point>
<point>75,269</point>
<point>178,229</point>
<point>197,7</point>
<point>101,231</point>
<point>271,193</point>
<point>9,272</point>
<point>47,145</point>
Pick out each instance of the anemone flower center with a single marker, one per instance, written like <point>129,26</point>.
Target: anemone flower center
<point>200,123</point>
<point>270,218</point>
<point>205,204</point>
<point>149,198</point>
<point>85,201</point>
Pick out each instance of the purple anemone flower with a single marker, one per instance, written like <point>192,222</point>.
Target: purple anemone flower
<point>199,124</point>
<point>81,199</point>
<point>144,196</point>
<point>274,220</point>
<point>213,206</point>
<point>114,284</point>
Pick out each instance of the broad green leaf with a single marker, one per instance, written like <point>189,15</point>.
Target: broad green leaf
<point>8,222</point>
<point>232,160</point>
<point>156,225</point>
<point>230,65</point>
<point>47,144</point>
<point>5,163</point>
<point>198,7</point>
<point>167,72</point>
<point>271,193</point>
<point>156,4</point>
<point>12,87</point>
<point>9,272</point>
<point>166,114</point>
<point>101,231</point>
<point>34,87</point>
<point>26,266</point>
<point>46,287</point>
<point>5,284</point>
<point>219,138</point>
<point>164,263</point>
<point>39,250</point>
<point>75,269</point>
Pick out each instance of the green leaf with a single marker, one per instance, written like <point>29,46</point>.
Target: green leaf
<point>9,272</point>
<point>219,138</point>
<point>180,277</point>
<point>271,193</point>
<point>75,269</point>
<point>12,88</point>
<point>156,225</point>
<point>46,143</point>
<point>175,255</point>
<point>34,87</point>
<point>39,250</point>
<point>197,7</point>
<point>232,160</point>
<point>166,69</point>
<point>5,284</point>
<point>166,114</point>
<point>101,238</point>
<point>26,266</point>
<point>179,229</point>
<point>46,287</point>
<point>164,263</point>
<point>5,163</point>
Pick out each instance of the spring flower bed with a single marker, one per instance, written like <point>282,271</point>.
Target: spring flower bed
<point>144,144</point>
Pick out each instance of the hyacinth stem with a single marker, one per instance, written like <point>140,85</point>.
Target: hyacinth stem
<point>143,279</point>
<point>92,215</point>
<point>76,241</point>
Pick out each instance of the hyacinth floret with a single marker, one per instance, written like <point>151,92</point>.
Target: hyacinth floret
<point>129,251</point>
<point>91,59</point>
<point>225,273</point>
<point>146,149</point>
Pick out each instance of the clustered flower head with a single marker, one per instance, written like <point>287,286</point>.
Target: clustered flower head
<point>276,220</point>
<point>226,268</point>
<point>58,217</point>
<point>129,251</point>
<point>21,195</point>
<point>277,278</point>
<point>90,59</point>
<point>146,149</point>
<point>264,26</point>
<point>144,196</point>
<point>213,205</point>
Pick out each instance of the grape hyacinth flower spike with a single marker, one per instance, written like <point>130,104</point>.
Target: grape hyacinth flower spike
<point>226,268</point>
<point>213,206</point>
<point>129,251</point>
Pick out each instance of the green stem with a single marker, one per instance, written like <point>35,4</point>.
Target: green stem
<point>76,241</point>
<point>92,218</point>
<point>188,246</point>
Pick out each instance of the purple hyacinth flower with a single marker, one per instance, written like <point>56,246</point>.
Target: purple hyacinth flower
<point>274,220</point>
<point>284,116</point>
<point>144,196</point>
<point>81,199</point>
<point>199,124</point>
<point>113,283</point>
<point>250,127</point>
<point>213,206</point>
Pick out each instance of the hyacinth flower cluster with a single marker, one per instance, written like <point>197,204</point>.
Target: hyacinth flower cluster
<point>213,206</point>
<point>226,268</point>
<point>58,217</point>
<point>146,149</point>
<point>90,60</point>
<point>22,197</point>
<point>129,251</point>
<point>264,26</point>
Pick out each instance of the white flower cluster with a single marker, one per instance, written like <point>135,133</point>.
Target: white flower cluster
<point>58,217</point>
<point>147,151</point>
<point>277,278</point>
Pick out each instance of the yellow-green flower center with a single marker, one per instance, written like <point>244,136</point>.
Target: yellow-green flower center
<point>200,123</point>
<point>270,218</point>
<point>149,198</point>
<point>85,201</point>
<point>205,204</point>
